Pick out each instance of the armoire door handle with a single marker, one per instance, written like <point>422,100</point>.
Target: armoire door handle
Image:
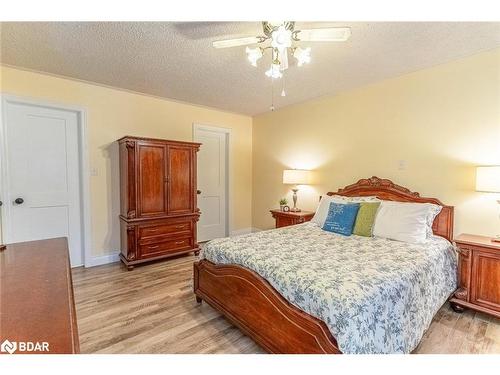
<point>19,200</point>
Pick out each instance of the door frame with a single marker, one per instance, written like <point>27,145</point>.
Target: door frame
<point>84,165</point>
<point>229,176</point>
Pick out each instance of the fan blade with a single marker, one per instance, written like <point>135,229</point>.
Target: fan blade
<point>237,42</point>
<point>284,60</point>
<point>330,34</point>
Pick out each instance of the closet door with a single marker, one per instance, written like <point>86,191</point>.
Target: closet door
<point>180,179</point>
<point>151,179</point>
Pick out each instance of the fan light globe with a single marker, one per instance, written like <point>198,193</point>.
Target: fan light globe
<point>253,54</point>
<point>303,55</point>
<point>274,71</point>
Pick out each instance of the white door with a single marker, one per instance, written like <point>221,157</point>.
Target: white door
<point>212,174</point>
<point>43,176</point>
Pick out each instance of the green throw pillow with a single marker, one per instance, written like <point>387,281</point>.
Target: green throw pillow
<point>363,226</point>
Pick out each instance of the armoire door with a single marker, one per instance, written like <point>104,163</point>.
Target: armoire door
<point>152,177</point>
<point>180,179</point>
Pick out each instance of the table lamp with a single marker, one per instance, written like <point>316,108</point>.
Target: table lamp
<point>295,177</point>
<point>488,180</point>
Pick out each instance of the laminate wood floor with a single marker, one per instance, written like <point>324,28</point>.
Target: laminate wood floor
<point>152,310</point>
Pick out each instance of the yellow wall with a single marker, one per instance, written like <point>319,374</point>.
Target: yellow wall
<point>442,121</point>
<point>112,114</point>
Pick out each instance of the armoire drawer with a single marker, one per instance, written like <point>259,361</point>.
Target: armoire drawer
<point>176,227</point>
<point>163,238</point>
<point>172,245</point>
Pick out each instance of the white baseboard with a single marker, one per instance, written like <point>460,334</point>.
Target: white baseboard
<point>239,232</point>
<point>103,259</point>
<point>114,257</point>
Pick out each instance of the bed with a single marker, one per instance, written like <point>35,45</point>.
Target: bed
<point>300,289</point>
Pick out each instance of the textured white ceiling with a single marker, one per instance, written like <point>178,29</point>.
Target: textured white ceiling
<point>176,60</point>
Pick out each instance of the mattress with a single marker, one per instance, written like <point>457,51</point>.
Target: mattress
<point>375,295</point>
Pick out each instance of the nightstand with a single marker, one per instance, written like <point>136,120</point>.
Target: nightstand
<point>478,275</point>
<point>284,219</point>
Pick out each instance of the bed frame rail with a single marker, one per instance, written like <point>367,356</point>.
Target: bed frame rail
<point>253,305</point>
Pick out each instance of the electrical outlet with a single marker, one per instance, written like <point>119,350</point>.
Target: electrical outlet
<point>94,172</point>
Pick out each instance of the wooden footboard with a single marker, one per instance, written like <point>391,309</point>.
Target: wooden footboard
<point>253,305</point>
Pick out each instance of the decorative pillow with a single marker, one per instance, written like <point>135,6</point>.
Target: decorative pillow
<point>402,221</point>
<point>323,207</point>
<point>363,226</point>
<point>341,217</point>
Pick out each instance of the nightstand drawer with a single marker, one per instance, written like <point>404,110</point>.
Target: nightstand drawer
<point>284,219</point>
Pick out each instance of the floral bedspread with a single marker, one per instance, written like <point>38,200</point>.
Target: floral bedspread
<point>375,295</point>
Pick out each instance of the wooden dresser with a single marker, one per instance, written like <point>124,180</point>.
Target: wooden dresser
<point>36,294</point>
<point>284,219</point>
<point>159,212</point>
<point>479,275</point>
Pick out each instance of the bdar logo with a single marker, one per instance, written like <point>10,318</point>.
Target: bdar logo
<point>9,347</point>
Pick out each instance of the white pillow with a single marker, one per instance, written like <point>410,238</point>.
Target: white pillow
<point>401,221</point>
<point>323,207</point>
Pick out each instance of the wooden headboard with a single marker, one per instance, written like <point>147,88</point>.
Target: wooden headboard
<point>388,190</point>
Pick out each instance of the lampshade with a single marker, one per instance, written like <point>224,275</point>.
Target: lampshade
<point>488,179</point>
<point>295,176</point>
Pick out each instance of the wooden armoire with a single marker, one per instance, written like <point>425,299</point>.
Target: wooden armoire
<point>158,213</point>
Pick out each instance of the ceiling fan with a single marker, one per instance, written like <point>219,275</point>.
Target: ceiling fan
<point>283,37</point>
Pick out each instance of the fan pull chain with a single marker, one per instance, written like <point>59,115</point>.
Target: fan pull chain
<point>272,95</point>
<point>272,85</point>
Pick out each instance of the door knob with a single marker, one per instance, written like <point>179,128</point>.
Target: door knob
<point>19,200</point>
<point>198,191</point>
<point>1,203</point>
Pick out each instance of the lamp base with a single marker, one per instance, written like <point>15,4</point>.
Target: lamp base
<point>295,209</point>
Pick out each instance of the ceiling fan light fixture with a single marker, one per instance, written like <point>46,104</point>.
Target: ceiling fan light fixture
<point>303,55</point>
<point>281,38</point>
<point>254,55</point>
